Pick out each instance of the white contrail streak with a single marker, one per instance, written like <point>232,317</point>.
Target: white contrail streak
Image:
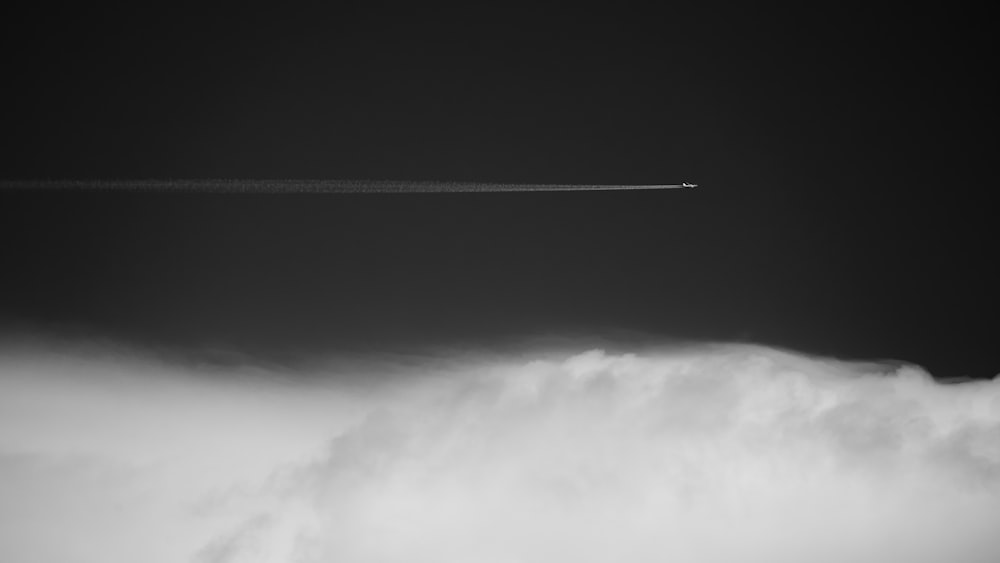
<point>318,186</point>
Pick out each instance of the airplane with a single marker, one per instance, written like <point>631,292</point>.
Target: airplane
<point>687,185</point>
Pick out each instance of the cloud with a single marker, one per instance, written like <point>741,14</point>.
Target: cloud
<point>711,454</point>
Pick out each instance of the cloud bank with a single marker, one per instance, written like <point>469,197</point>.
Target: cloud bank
<point>713,454</point>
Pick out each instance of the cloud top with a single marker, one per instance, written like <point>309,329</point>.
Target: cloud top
<point>710,454</point>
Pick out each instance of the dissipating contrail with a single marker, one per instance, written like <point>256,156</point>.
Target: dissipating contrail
<point>320,186</point>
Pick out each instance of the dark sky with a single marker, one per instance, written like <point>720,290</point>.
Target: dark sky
<point>844,204</point>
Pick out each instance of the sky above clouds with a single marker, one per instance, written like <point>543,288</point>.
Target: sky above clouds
<point>844,204</point>
<point>705,453</point>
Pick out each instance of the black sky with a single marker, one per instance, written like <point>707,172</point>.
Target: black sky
<point>844,206</point>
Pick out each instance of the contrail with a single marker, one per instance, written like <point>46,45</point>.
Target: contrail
<point>317,186</point>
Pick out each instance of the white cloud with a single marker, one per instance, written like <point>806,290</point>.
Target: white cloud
<point>714,454</point>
